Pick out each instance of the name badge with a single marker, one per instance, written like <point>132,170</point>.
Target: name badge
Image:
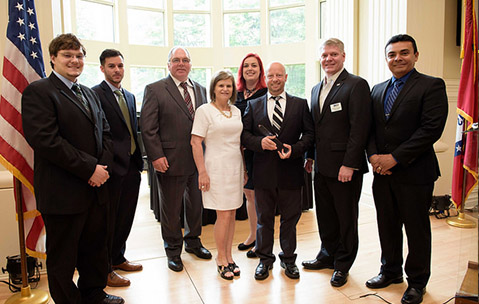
<point>336,107</point>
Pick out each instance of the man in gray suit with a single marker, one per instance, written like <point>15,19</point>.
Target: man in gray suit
<point>166,120</point>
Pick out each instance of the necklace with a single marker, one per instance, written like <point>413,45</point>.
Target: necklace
<point>249,92</point>
<point>223,112</point>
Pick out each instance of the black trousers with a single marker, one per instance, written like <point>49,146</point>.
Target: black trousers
<point>337,215</point>
<point>288,202</point>
<point>174,190</point>
<point>77,241</point>
<point>124,192</point>
<point>407,205</point>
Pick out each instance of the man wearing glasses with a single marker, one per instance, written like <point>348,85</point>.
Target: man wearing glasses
<point>64,124</point>
<point>166,121</point>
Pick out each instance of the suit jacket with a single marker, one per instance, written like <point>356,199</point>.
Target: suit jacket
<point>119,129</point>
<point>416,122</point>
<point>297,130</point>
<point>166,123</point>
<point>342,128</point>
<point>68,144</point>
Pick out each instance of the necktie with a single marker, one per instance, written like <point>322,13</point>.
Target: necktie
<point>187,97</point>
<point>324,93</point>
<point>126,116</point>
<point>391,98</point>
<point>277,115</point>
<point>76,88</point>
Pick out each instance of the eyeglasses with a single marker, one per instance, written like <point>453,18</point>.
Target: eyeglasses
<point>178,60</point>
<point>70,56</point>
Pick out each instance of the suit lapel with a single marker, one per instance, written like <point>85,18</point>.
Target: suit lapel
<point>335,89</point>
<point>315,101</point>
<point>65,91</point>
<point>287,113</point>
<point>175,93</point>
<point>411,81</point>
<point>130,102</point>
<point>112,100</point>
<point>265,119</point>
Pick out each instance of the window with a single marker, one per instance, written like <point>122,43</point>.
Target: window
<point>287,24</point>
<point>202,76</point>
<point>191,23</point>
<point>140,78</point>
<point>146,24</point>
<point>242,23</point>
<point>91,75</point>
<point>95,20</point>
<point>295,85</point>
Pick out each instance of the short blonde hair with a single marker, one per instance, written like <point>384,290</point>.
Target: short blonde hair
<point>222,75</point>
<point>333,42</point>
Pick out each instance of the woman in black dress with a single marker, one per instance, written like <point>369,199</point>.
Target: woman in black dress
<point>250,85</point>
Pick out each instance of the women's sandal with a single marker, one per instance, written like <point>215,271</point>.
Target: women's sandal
<point>223,270</point>
<point>234,269</point>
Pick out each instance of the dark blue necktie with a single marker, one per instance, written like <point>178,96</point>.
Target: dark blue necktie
<point>388,105</point>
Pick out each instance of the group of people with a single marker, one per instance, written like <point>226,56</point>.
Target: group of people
<point>252,138</point>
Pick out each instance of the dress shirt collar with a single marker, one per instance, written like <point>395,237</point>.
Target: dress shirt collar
<point>67,82</point>
<point>332,79</point>
<point>177,82</point>
<point>113,88</point>
<point>283,95</point>
<point>403,79</point>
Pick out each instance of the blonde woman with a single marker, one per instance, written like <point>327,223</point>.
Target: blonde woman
<point>220,165</point>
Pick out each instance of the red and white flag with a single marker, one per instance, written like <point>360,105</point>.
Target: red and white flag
<point>465,154</point>
<point>22,64</point>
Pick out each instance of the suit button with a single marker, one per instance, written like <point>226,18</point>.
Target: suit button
<point>386,146</point>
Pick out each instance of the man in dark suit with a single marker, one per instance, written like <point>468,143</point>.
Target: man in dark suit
<point>341,110</point>
<point>124,183</point>
<point>67,129</point>
<point>409,114</point>
<point>278,174</point>
<point>166,121</point>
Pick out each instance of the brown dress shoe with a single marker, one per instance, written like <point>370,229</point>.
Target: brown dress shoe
<point>128,266</point>
<point>116,280</point>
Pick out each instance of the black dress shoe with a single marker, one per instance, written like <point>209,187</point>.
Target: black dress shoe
<point>262,271</point>
<point>200,252</point>
<point>243,246</point>
<point>110,299</point>
<point>251,254</point>
<point>339,278</point>
<point>316,265</point>
<point>175,263</point>
<point>290,270</point>
<point>381,281</point>
<point>413,295</point>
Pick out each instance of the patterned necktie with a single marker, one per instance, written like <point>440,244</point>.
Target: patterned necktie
<point>76,88</point>
<point>388,105</point>
<point>187,97</point>
<point>126,116</point>
<point>277,115</point>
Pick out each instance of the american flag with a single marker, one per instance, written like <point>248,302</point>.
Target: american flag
<point>22,64</point>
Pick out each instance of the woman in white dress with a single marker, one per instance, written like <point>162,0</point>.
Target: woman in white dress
<point>220,168</point>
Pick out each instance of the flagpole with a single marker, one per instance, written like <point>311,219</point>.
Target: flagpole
<point>460,221</point>
<point>26,295</point>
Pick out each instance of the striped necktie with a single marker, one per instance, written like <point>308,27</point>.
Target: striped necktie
<point>126,116</point>
<point>76,88</point>
<point>277,115</point>
<point>187,98</point>
<point>388,105</point>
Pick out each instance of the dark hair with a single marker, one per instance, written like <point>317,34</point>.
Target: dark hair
<point>108,53</point>
<point>402,37</point>
<point>222,75</point>
<point>241,83</point>
<point>65,42</point>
